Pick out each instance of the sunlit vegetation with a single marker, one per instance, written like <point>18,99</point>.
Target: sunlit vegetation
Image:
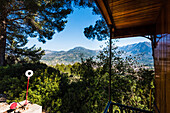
<point>81,87</point>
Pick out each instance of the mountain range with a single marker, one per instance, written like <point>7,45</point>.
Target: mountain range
<point>67,57</point>
<point>74,55</point>
<point>142,49</point>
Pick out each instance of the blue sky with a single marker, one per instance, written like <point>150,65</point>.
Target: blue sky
<point>72,36</point>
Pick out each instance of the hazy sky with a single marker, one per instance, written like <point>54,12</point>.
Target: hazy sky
<point>72,36</point>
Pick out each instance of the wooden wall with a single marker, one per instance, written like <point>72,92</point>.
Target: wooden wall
<point>162,59</point>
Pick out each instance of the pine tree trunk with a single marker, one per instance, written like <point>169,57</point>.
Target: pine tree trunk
<point>2,42</point>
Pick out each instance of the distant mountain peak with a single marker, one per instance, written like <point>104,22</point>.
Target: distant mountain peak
<point>78,48</point>
<point>67,57</point>
<point>140,43</point>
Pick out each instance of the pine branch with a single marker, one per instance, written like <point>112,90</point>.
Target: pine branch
<point>13,10</point>
<point>17,19</point>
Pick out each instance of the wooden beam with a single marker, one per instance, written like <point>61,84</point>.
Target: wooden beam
<point>135,31</point>
<point>104,11</point>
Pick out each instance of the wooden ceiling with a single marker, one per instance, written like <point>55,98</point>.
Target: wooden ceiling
<point>130,17</point>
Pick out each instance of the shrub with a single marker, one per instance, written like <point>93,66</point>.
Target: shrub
<point>43,88</point>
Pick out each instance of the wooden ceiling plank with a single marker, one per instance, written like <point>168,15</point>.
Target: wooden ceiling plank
<point>132,6</point>
<point>140,15</point>
<point>137,17</point>
<point>133,23</point>
<point>134,18</point>
<point>140,10</point>
<point>116,2</point>
<point>119,3</point>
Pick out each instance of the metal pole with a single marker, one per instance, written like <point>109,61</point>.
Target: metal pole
<point>110,67</point>
<point>150,99</point>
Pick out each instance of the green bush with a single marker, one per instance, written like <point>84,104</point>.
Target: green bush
<point>43,88</point>
<point>85,92</point>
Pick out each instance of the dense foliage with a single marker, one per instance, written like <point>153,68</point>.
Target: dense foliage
<point>16,55</point>
<point>81,87</point>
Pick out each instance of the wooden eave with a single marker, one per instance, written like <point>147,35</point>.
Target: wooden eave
<point>130,17</point>
<point>104,11</point>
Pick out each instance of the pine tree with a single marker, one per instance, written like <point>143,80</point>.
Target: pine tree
<point>99,31</point>
<point>16,54</point>
<point>20,19</point>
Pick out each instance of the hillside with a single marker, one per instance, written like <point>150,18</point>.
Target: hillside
<point>143,48</point>
<point>67,57</point>
<point>75,54</point>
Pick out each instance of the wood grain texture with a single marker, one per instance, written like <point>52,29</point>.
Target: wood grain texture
<point>131,13</point>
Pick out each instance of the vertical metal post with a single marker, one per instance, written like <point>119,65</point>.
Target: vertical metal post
<point>150,100</point>
<point>110,67</point>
